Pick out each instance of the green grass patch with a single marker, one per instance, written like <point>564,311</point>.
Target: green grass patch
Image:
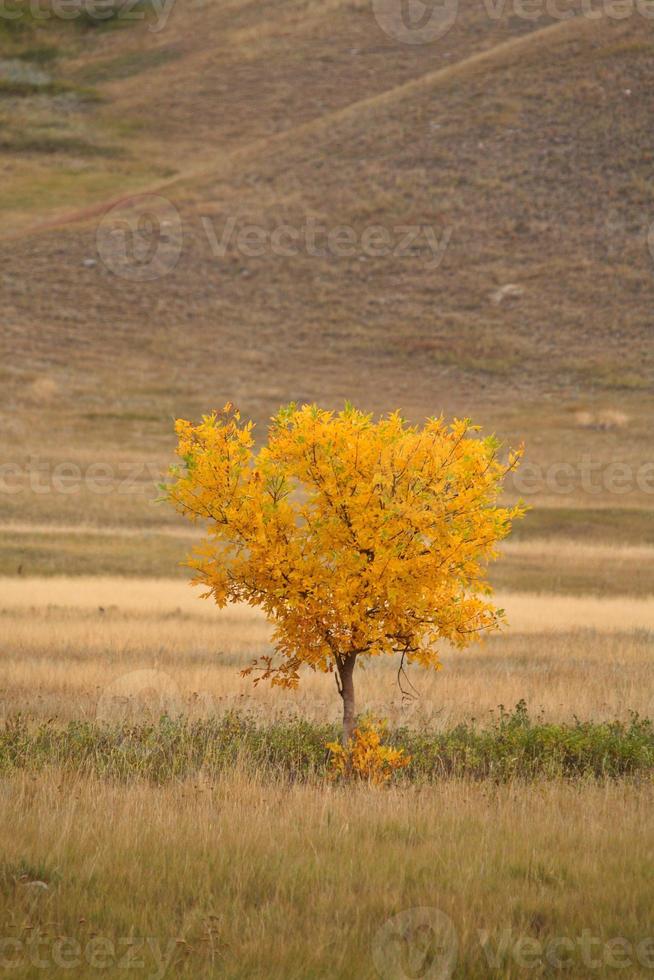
<point>22,89</point>
<point>548,573</point>
<point>598,525</point>
<point>127,65</point>
<point>26,142</point>
<point>16,23</point>
<point>513,746</point>
<point>41,54</point>
<point>93,554</point>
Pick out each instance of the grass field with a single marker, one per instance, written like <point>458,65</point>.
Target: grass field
<point>229,879</point>
<point>70,640</point>
<point>225,873</point>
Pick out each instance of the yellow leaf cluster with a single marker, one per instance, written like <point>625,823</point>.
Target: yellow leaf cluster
<point>354,535</point>
<point>365,757</point>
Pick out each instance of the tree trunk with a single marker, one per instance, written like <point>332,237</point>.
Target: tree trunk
<point>345,674</point>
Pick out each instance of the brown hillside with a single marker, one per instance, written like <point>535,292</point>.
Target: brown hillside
<point>529,155</point>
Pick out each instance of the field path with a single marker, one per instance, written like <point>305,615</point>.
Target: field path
<point>493,56</point>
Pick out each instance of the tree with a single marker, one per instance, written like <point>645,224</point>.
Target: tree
<point>357,538</point>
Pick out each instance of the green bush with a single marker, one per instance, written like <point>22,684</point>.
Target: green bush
<point>511,747</point>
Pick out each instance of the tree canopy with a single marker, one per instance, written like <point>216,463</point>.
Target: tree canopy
<point>357,537</point>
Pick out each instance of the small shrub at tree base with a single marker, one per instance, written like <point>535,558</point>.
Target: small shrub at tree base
<point>365,757</point>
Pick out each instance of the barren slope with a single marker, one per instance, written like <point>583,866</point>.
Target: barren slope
<point>531,161</point>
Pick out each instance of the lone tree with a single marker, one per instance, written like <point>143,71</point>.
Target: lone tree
<point>357,538</point>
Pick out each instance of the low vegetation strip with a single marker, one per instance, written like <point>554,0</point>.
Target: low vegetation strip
<point>514,746</point>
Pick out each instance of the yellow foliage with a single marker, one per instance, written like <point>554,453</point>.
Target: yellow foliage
<point>355,536</point>
<point>365,757</point>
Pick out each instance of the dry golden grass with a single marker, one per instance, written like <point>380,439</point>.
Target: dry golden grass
<point>228,877</point>
<point>72,644</point>
<point>571,550</point>
<point>249,879</point>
